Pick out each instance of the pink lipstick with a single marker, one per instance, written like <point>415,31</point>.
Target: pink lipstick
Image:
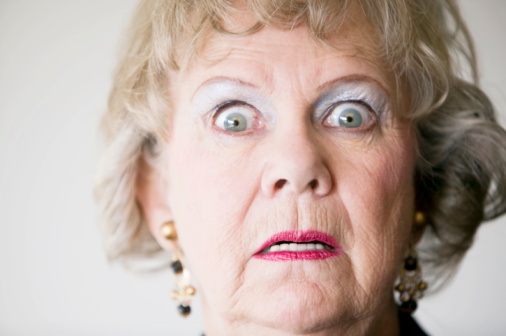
<point>299,245</point>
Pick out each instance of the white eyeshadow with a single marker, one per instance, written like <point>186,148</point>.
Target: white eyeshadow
<point>214,93</point>
<point>366,92</point>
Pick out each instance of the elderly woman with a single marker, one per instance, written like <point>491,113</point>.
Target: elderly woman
<point>292,155</point>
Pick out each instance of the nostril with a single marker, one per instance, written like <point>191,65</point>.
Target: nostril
<point>313,184</point>
<point>280,183</point>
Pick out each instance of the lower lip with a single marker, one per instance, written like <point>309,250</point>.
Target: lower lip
<point>300,237</point>
<point>303,255</point>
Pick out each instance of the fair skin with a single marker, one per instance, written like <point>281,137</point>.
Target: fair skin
<point>289,165</point>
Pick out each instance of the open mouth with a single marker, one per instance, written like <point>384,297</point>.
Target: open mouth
<point>297,247</point>
<point>294,245</point>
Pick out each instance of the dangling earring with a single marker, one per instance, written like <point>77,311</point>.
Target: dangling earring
<point>184,291</point>
<point>411,286</point>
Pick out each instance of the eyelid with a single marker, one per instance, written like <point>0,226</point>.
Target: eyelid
<point>352,101</point>
<point>375,99</point>
<point>229,104</point>
<point>218,94</point>
<point>368,109</point>
<point>327,110</point>
<point>215,111</point>
<point>226,104</point>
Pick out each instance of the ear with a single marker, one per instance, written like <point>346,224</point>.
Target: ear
<point>151,193</point>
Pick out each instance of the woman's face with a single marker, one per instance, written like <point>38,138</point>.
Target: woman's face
<point>277,138</point>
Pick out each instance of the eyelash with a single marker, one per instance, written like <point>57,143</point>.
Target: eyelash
<point>352,101</point>
<point>222,107</point>
<point>373,114</point>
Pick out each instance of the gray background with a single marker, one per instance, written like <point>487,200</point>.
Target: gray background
<point>56,61</point>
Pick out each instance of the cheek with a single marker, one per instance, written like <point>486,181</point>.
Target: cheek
<point>378,194</point>
<point>210,190</point>
<point>205,181</point>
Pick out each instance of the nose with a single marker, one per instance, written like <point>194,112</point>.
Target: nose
<point>296,164</point>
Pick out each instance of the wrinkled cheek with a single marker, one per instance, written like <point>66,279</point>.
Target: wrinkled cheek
<point>380,207</point>
<point>391,173</point>
<point>205,196</point>
<point>186,200</point>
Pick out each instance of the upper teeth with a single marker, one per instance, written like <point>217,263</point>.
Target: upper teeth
<point>295,247</point>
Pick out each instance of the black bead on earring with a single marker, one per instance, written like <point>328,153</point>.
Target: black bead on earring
<point>411,286</point>
<point>184,292</point>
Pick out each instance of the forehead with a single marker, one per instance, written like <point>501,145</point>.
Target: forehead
<point>269,53</point>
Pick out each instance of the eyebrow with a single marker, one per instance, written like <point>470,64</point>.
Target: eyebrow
<point>223,79</point>
<point>348,79</point>
<point>352,79</point>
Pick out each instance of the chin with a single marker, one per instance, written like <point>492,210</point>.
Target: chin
<point>302,308</point>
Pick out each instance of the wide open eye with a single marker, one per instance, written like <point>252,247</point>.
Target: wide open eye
<point>236,118</point>
<point>349,115</point>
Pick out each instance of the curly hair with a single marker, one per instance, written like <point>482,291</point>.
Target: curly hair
<point>460,176</point>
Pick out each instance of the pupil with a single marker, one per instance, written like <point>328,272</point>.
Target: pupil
<point>236,122</point>
<point>349,118</point>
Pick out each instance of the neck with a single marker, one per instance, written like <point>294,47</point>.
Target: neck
<point>384,323</point>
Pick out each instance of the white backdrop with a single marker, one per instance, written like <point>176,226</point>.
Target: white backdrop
<point>56,61</point>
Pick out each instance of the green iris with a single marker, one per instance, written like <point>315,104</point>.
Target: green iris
<point>235,122</point>
<point>350,118</point>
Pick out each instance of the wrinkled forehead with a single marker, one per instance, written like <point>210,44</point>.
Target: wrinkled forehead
<point>271,52</point>
<point>287,47</point>
<point>344,27</point>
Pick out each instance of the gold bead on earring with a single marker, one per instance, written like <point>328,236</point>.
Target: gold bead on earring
<point>168,231</point>
<point>411,286</point>
<point>419,219</point>
<point>184,292</point>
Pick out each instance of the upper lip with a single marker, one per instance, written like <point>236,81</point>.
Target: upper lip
<point>300,237</point>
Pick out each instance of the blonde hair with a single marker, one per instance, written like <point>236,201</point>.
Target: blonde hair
<point>460,175</point>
